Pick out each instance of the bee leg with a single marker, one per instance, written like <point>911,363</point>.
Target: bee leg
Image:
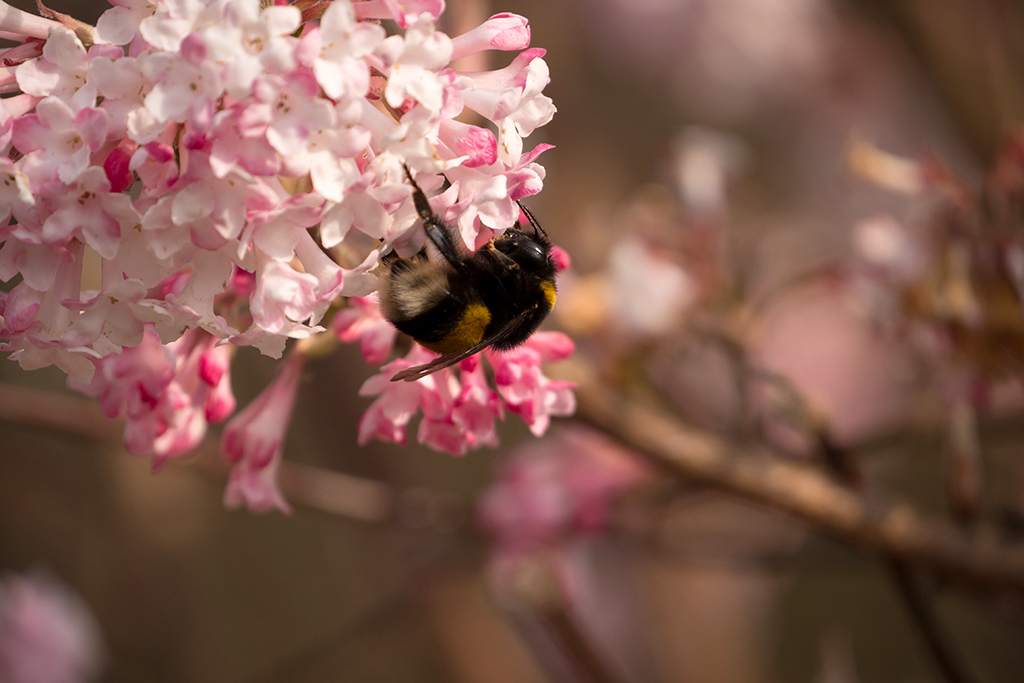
<point>438,234</point>
<point>420,199</point>
<point>432,225</point>
<point>502,258</point>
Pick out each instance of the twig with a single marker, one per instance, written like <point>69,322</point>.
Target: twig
<point>540,598</point>
<point>923,614</point>
<point>563,629</point>
<point>896,529</point>
<point>914,596</point>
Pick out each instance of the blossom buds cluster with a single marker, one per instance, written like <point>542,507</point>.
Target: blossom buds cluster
<point>545,497</point>
<point>192,174</point>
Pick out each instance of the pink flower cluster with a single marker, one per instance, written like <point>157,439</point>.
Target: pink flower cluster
<point>459,406</point>
<point>167,393</point>
<point>192,174</point>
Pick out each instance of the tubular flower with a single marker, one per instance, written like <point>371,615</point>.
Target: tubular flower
<point>254,438</point>
<point>190,146</point>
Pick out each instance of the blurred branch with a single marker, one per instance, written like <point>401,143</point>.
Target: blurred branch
<point>972,52</point>
<point>334,493</point>
<point>976,560</point>
<point>911,590</point>
<point>564,630</point>
<point>54,410</point>
<point>325,490</point>
<point>541,606</point>
<point>337,493</point>
<point>923,614</point>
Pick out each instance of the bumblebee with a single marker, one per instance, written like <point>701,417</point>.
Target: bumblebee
<point>460,303</point>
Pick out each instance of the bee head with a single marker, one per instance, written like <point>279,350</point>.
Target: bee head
<point>532,253</point>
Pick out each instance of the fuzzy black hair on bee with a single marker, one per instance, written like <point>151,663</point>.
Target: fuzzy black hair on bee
<point>460,303</point>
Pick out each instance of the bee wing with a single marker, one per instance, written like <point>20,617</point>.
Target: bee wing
<point>416,372</point>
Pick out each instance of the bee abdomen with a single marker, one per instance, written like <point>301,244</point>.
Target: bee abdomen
<point>467,331</point>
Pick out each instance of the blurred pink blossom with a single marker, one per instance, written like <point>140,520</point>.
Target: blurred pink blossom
<point>856,380</point>
<point>47,634</point>
<point>549,491</point>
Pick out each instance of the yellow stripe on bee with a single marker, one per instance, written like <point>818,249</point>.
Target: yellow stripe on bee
<point>467,332</point>
<point>549,292</point>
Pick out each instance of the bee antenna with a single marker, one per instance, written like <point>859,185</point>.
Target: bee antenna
<point>537,230</point>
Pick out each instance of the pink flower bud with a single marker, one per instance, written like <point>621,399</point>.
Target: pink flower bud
<point>501,32</point>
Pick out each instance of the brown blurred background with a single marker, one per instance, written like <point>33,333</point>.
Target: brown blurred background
<point>186,591</point>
